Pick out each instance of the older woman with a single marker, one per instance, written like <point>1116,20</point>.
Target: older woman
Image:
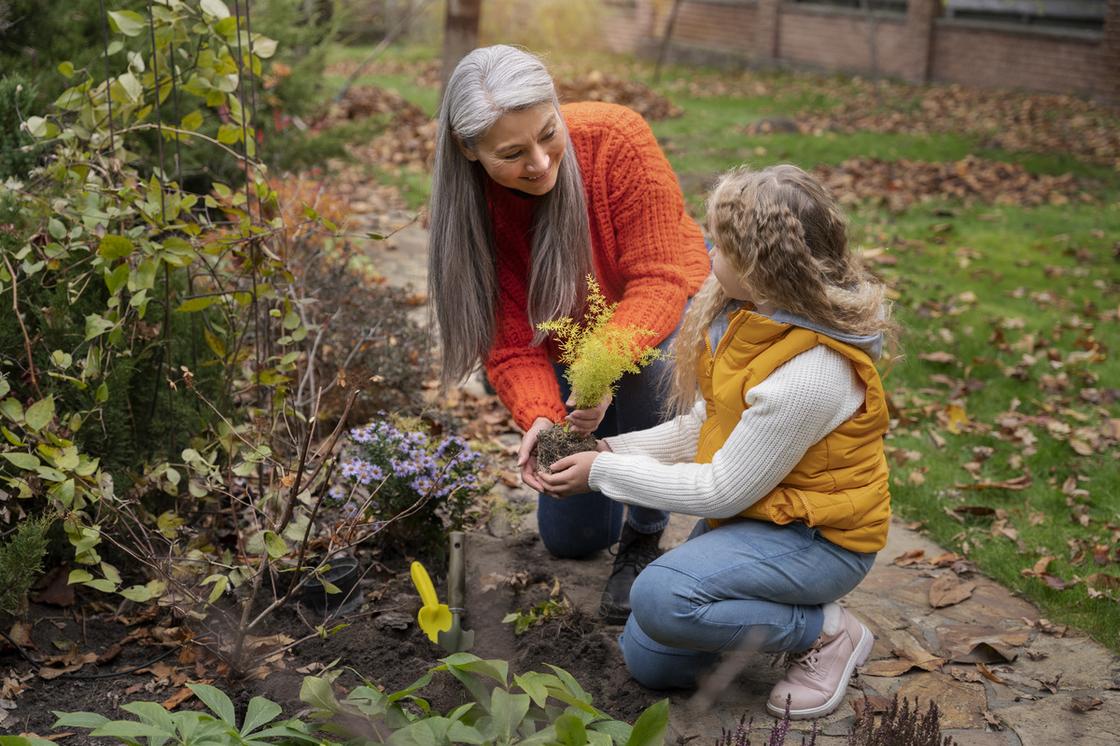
<point>528,198</point>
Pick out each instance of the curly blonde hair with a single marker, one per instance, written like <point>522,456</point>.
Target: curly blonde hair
<point>786,238</point>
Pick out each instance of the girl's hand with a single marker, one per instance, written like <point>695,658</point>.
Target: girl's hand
<point>569,475</point>
<point>586,420</point>
<point>527,453</point>
<point>603,446</point>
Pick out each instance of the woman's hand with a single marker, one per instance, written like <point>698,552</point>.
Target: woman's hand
<point>527,453</point>
<point>569,475</point>
<point>586,420</point>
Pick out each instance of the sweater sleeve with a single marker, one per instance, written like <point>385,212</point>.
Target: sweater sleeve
<point>670,442</point>
<point>521,372</point>
<point>796,406</point>
<point>656,241</point>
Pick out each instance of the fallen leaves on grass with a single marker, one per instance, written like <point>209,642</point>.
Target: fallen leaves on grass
<point>899,184</point>
<point>1040,123</point>
<point>1014,484</point>
<point>599,86</point>
<point>1039,571</point>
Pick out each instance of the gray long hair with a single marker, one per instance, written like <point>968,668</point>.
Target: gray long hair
<point>462,274</point>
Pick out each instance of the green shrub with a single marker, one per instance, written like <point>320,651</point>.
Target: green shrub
<point>35,37</point>
<point>21,560</point>
<point>18,152</point>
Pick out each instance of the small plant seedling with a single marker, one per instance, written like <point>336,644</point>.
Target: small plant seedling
<point>597,354</point>
<point>536,614</point>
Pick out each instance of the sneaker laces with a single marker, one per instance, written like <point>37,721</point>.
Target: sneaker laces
<point>807,659</point>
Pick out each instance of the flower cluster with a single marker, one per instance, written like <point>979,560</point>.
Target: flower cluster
<point>393,466</point>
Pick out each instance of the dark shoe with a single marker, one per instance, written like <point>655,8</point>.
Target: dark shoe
<point>635,551</point>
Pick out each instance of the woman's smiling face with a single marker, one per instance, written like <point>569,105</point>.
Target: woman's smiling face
<point>523,149</point>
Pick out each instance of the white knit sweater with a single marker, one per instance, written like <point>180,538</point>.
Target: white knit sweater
<point>796,406</point>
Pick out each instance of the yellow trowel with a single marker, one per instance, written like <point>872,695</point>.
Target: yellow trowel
<point>433,617</point>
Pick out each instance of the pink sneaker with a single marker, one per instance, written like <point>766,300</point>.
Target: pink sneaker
<point>816,679</point>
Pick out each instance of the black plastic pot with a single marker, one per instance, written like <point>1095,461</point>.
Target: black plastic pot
<point>343,574</point>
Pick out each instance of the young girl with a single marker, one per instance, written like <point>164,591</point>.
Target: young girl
<point>778,443</point>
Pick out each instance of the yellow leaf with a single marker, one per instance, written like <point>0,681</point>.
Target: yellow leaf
<point>958,418</point>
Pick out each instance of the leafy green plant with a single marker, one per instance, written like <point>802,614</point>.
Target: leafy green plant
<point>536,708</point>
<point>536,614</point>
<point>155,725</point>
<point>21,561</point>
<point>596,352</point>
<point>119,270</point>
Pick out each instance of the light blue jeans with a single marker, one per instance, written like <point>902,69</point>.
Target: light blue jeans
<point>746,585</point>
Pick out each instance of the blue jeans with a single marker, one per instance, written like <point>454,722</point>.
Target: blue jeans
<point>746,585</point>
<point>580,525</point>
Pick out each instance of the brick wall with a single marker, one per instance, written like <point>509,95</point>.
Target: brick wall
<point>916,46</point>
<point>834,39</point>
<point>994,57</point>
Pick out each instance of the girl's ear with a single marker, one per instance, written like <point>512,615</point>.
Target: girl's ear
<point>467,152</point>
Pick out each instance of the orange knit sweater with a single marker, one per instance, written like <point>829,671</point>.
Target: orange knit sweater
<point>649,255</point>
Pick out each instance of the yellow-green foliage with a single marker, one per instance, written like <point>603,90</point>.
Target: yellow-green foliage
<point>597,352</point>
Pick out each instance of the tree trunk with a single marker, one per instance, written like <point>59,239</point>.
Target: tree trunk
<point>460,33</point>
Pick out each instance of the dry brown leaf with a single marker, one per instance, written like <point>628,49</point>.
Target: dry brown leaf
<point>870,704</point>
<point>1081,447</point>
<point>972,643</point>
<point>1100,554</point>
<point>910,557</point>
<point>948,558</point>
<point>948,589</point>
<point>177,698</point>
<point>960,673</point>
<point>993,720</point>
<point>20,634</point>
<point>977,510</point>
<point>888,667</point>
<point>988,674</point>
<point>1085,703</point>
<point>1015,484</point>
<point>58,591</point>
<point>1051,685</point>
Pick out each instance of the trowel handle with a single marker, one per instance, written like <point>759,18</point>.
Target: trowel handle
<point>456,573</point>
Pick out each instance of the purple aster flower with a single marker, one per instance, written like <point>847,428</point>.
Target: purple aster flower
<point>350,468</point>
<point>337,493</point>
<point>362,434</point>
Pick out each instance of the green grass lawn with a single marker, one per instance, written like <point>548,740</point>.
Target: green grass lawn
<point>1005,391</point>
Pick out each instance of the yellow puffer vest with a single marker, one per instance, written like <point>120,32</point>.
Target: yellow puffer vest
<point>840,486</point>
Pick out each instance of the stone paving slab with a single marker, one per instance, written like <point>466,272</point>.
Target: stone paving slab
<point>1013,707</point>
